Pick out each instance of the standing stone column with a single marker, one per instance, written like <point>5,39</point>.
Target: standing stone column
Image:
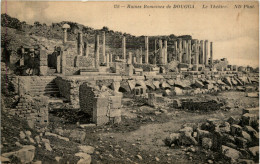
<point>165,52</point>
<point>80,44</point>
<point>65,27</point>
<point>97,52</point>
<point>63,57</point>
<point>206,49</point>
<point>107,59</point>
<point>185,53</point>
<point>160,52</point>
<point>141,56</point>
<point>22,57</point>
<point>86,49</point>
<point>110,58</point>
<point>189,53</point>
<point>134,59</point>
<point>180,50</point>
<point>129,61</point>
<point>176,49</point>
<point>104,47</point>
<point>146,49</point>
<point>211,54</point>
<point>196,55</point>
<point>124,47</point>
<point>155,49</point>
<point>202,52</point>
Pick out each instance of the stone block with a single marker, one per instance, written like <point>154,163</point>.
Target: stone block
<point>101,120</point>
<point>115,113</point>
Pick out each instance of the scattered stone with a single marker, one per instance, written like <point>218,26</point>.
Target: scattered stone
<point>37,139</point>
<point>47,146</point>
<point>199,84</point>
<point>18,144</point>
<point>139,157</point>
<point>210,161</point>
<point>157,159</point>
<point>253,94</point>
<point>25,155</point>
<point>246,136</point>
<point>84,158</point>
<point>230,153</point>
<point>206,143</point>
<point>4,159</point>
<point>57,158</point>
<point>236,129</point>
<point>86,149</point>
<point>254,151</point>
<point>28,133</point>
<point>22,135</point>
<point>56,135</point>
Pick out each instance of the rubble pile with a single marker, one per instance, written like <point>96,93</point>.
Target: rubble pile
<point>236,139</point>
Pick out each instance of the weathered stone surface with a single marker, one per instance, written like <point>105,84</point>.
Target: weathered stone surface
<point>230,153</point>
<point>177,91</point>
<point>248,119</point>
<point>236,129</point>
<point>206,143</point>
<point>77,135</point>
<point>25,155</point>
<point>246,136</point>
<point>246,161</point>
<point>187,139</point>
<point>227,81</point>
<point>22,135</point>
<point>173,138</point>
<point>254,151</point>
<point>55,135</point>
<point>167,92</point>
<point>86,149</point>
<point>253,94</point>
<point>165,85</point>
<point>251,110</point>
<point>198,84</point>
<point>84,158</point>
<point>176,103</point>
<point>156,84</point>
<point>233,120</point>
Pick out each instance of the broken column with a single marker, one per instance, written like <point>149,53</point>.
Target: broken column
<point>180,50</point>
<point>160,52</point>
<point>155,49</point>
<point>211,54</point>
<point>104,47</point>
<point>165,52</point>
<point>189,53</point>
<point>140,59</point>
<point>80,44</point>
<point>63,61</point>
<point>146,50</point>
<point>206,49</point>
<point>201,52</point>
<point>65,27</point>
<point>124,47</point>
<point>97,51</point>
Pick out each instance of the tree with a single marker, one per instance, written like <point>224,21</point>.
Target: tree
<point>105,28</point>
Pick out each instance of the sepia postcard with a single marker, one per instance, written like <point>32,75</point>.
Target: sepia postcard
<point>90,82</point>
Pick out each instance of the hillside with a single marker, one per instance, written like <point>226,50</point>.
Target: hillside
<point>16,33</point>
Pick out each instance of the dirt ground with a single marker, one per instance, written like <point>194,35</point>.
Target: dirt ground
<point>139,138</point>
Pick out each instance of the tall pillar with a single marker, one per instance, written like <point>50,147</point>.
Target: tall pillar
<point>107,59</point>
<point>146,49</point>
<point>211,54</point>
<point>165,52</point>
<point>197,55</point>
<point>206,49</point>
<point>160,52</point>
<point>185,53</point>
<point>97,51</point>
<point>123,47</point>
<point>63,61</point>
<point>202,52</point>
<point>176,49</point>
<point>80,44</point>
<point>180,50</point>
<point>104,47</point>
<point>141,56</point>
<point>65,35</point>
<point>86,49</point>
<point>129,60</point>
<point>110,58</point>
<point>22,57</point>
<point>155,50</point>
<point>189,52</point>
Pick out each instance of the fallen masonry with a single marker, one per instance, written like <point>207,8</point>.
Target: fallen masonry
<point>233,140</point>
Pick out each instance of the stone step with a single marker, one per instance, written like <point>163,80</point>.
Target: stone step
<point>44,86</point>
<point>44,92</point>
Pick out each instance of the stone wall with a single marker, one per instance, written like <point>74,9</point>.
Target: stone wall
<point>34,110</point>
<point>101,104</point>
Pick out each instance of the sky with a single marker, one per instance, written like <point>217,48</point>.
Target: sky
<point>233,31</point>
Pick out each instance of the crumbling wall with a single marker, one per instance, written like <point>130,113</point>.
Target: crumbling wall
<point>102,105</point>
<point>64,87</point>
<point>34,110</point>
